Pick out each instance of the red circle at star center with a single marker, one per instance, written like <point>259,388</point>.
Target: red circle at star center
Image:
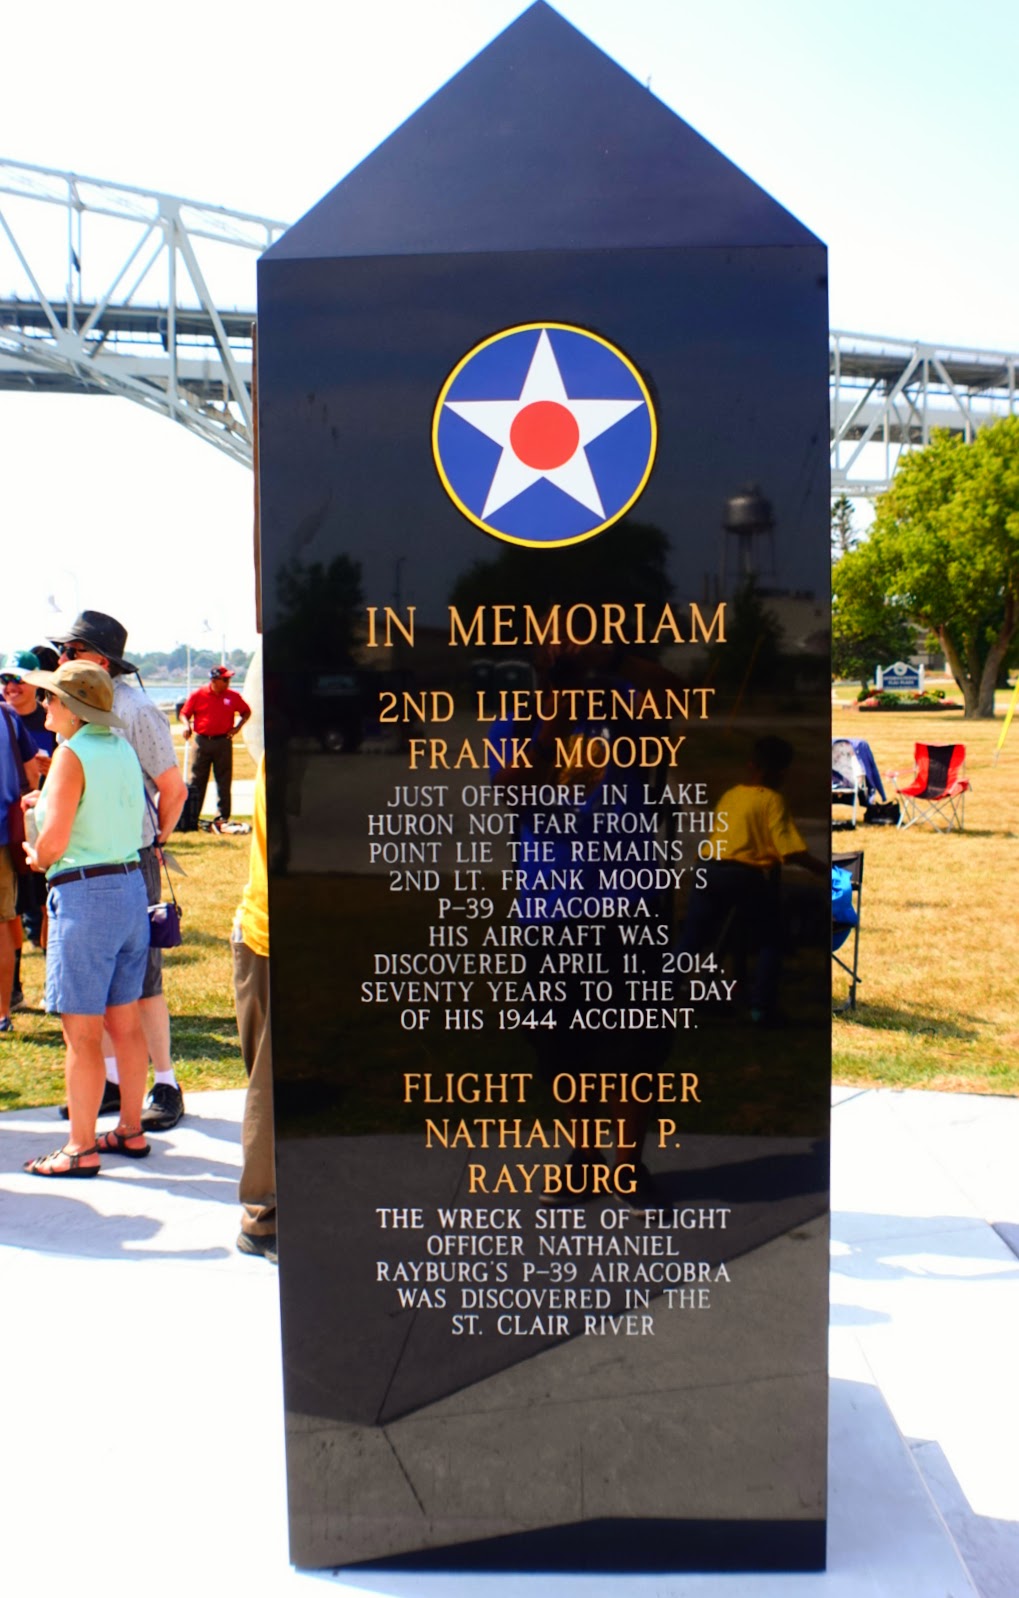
<point>544,435</point>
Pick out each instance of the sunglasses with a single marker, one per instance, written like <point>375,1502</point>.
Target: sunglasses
<point>72,651</point>
<point>6,679</point>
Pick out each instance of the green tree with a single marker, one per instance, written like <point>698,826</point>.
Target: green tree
<point>843,536</point>
<point>150,664</point>
<point>867,628</point>
<point>944,552</point>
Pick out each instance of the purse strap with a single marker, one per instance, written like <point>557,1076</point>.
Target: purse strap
<point>22,774</point>
<point>159,846</point>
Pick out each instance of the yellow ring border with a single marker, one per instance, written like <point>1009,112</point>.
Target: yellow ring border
<point>494,338</point>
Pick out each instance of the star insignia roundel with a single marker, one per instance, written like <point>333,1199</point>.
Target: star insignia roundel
<point>544,434</point>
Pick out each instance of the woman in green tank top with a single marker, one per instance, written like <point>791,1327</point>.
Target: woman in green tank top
<point>89,827</point>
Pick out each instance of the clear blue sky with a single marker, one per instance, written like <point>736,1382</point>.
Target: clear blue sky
<point>892,136</point>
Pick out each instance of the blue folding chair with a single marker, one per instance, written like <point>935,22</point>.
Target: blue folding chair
<point>846,894</point>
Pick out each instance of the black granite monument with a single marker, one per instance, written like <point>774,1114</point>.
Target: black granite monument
<point>544,497</point>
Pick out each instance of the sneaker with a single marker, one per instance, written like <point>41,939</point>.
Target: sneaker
<point>110,1103</point>
<point>163,1107</point>
<point>263,1243</point>
<point>6,1024</point>
<point>18,999</point>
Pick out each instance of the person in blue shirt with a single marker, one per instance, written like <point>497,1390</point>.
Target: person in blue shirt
<point>23,699</point>
<point>19,772</point>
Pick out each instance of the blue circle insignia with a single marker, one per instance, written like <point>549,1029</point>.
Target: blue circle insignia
<point>544,434</point>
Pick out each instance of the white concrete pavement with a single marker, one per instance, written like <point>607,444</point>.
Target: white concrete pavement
<point>142,1440</point>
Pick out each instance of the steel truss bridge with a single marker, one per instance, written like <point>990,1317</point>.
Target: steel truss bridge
<point>146,277</point>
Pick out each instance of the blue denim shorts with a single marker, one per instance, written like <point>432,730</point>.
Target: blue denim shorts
<point>98,943</point>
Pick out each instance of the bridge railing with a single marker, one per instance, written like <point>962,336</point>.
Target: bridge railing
<point>145,275</point>
<point>888,395</point>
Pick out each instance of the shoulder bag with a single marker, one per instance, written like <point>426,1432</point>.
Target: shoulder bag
<point>164,918</point>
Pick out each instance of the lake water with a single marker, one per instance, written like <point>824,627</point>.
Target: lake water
<point>167,694</point>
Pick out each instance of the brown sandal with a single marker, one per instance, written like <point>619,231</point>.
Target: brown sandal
<point>43,1165</point>
<point>117,1142</point>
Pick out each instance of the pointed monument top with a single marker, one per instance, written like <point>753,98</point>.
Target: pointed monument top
<point>541,142</point>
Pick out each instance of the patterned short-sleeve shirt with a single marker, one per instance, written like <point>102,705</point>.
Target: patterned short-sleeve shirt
<point>148,732</point>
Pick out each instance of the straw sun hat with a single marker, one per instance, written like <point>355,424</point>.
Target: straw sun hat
<point>85,688</point>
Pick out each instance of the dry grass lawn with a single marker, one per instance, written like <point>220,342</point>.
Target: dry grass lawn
<point>939,1003</point>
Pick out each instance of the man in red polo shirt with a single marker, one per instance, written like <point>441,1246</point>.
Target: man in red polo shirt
<point>215,714</point>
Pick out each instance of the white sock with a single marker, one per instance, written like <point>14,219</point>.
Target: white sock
<point>166,1078</point>
<point>110,1062</point>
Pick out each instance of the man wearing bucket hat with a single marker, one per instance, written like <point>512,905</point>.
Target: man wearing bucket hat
<point>88,826</point>
<point>102,639</point>
<point>215,714</point>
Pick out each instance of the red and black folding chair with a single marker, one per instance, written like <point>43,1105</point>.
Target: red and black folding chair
<point>937,794</point>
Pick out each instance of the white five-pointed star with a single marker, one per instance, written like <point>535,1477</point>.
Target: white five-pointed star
<point>495,418</point>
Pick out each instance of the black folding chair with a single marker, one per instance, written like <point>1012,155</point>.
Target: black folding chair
<point>853,864</point>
